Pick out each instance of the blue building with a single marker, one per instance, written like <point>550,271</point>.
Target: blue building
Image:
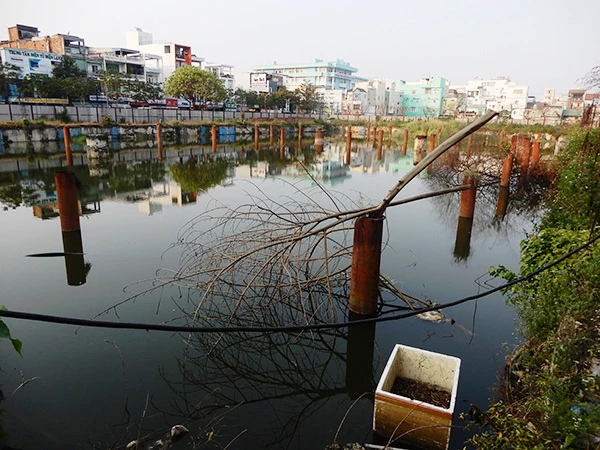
<point>423,98</point>
<point>337,74</point>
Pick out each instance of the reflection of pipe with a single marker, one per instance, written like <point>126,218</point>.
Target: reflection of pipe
<point>68,207</point>
<point>462,245</point>
<point>348,146</point>
<point>374,137</point>
<point>271,134</point>
<point>405,142</point>
<point>380,145</point>
<point>502,201</point>
<point>281,143</point>
<point>359,357</point>
<point>74,263</point>
<point>67,137</point>
<point>213,137</point>
<point>366,259</point>
<point>389,136</point>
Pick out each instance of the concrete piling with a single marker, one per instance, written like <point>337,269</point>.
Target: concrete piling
<point>469,144</point>
<point>419,148</point>
<point>67,138</point>
<point>502,201</point>
<point>535,154</point>
<point>506,171</point>
<point>467,198</point>
<point>348,147</point>
<point>523,153</point>
<point>366,260</point>
<point>462,244</point>
<point>68,206</point>
<point>159,141</point>
<point>430,150</point>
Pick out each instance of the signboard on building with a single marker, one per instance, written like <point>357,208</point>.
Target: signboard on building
<point>258,79</point>
<point>31,62</point>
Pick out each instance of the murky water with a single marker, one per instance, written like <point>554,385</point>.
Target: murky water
<point>101,388</point>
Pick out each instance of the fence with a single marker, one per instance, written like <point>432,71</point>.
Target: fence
<point>15,112</point>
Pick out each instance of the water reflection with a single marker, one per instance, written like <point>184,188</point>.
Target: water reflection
<point>289,389</point>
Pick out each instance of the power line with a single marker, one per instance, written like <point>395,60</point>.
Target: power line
<point>278,329</point>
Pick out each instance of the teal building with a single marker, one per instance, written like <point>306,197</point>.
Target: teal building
<point>423,98</point>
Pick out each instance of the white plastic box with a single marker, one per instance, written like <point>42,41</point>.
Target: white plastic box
<point>409,421</point>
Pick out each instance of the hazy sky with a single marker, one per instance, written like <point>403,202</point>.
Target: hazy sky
<point>542,43</point>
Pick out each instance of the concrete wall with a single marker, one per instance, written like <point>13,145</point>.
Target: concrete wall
<point>10,113</point>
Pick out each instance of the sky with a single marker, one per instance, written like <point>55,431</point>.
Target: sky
<point>540,43</point>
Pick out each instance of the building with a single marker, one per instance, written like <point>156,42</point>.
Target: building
<point>576,98</point>
<point>548,97</point>
<point>173,55</point>
<point>333,100</point>
<point>356,102</point>
<point>223,71</point>
<point>336,74</point>
<point>25,37</point>
<point>30,62</point>
<point>142,66</point>
<point>423,98</point>
<point>498,94</point>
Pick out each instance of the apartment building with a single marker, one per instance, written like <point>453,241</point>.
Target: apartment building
<point>24,37</point>
<point>173,56</point>
<point>336,74</point>
<point>142,66</point>
<point>498,94</point>
<point>422,98</point>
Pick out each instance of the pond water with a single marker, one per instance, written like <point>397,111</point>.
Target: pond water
<point>101,388</point>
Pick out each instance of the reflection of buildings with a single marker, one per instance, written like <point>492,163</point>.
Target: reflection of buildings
<point>161,194</point>
<point>46,205</point>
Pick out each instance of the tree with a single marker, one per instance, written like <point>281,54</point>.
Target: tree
<point>309,98</point>
<point>592,79</point>
<point>112,83</point>
<point>196,85</point>
<point>79,88</point>
<point>41,86</point>
<point>67,68</point>
<point>9,75</point>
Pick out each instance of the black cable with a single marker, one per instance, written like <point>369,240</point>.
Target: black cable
<point>279,329</point>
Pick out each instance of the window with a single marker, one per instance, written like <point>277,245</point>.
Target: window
<point>167,49</point>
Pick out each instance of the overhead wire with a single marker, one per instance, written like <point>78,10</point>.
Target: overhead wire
<point>284,328</point>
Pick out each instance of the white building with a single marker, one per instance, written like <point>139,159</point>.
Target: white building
<point>499,94</point>
<point>223,71</point>
<point>142,66</point>
<point>173,55</point>
<point>356,101</point>
<point>548,97</point>
<point>333,100</point>
<point>30,62</point>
